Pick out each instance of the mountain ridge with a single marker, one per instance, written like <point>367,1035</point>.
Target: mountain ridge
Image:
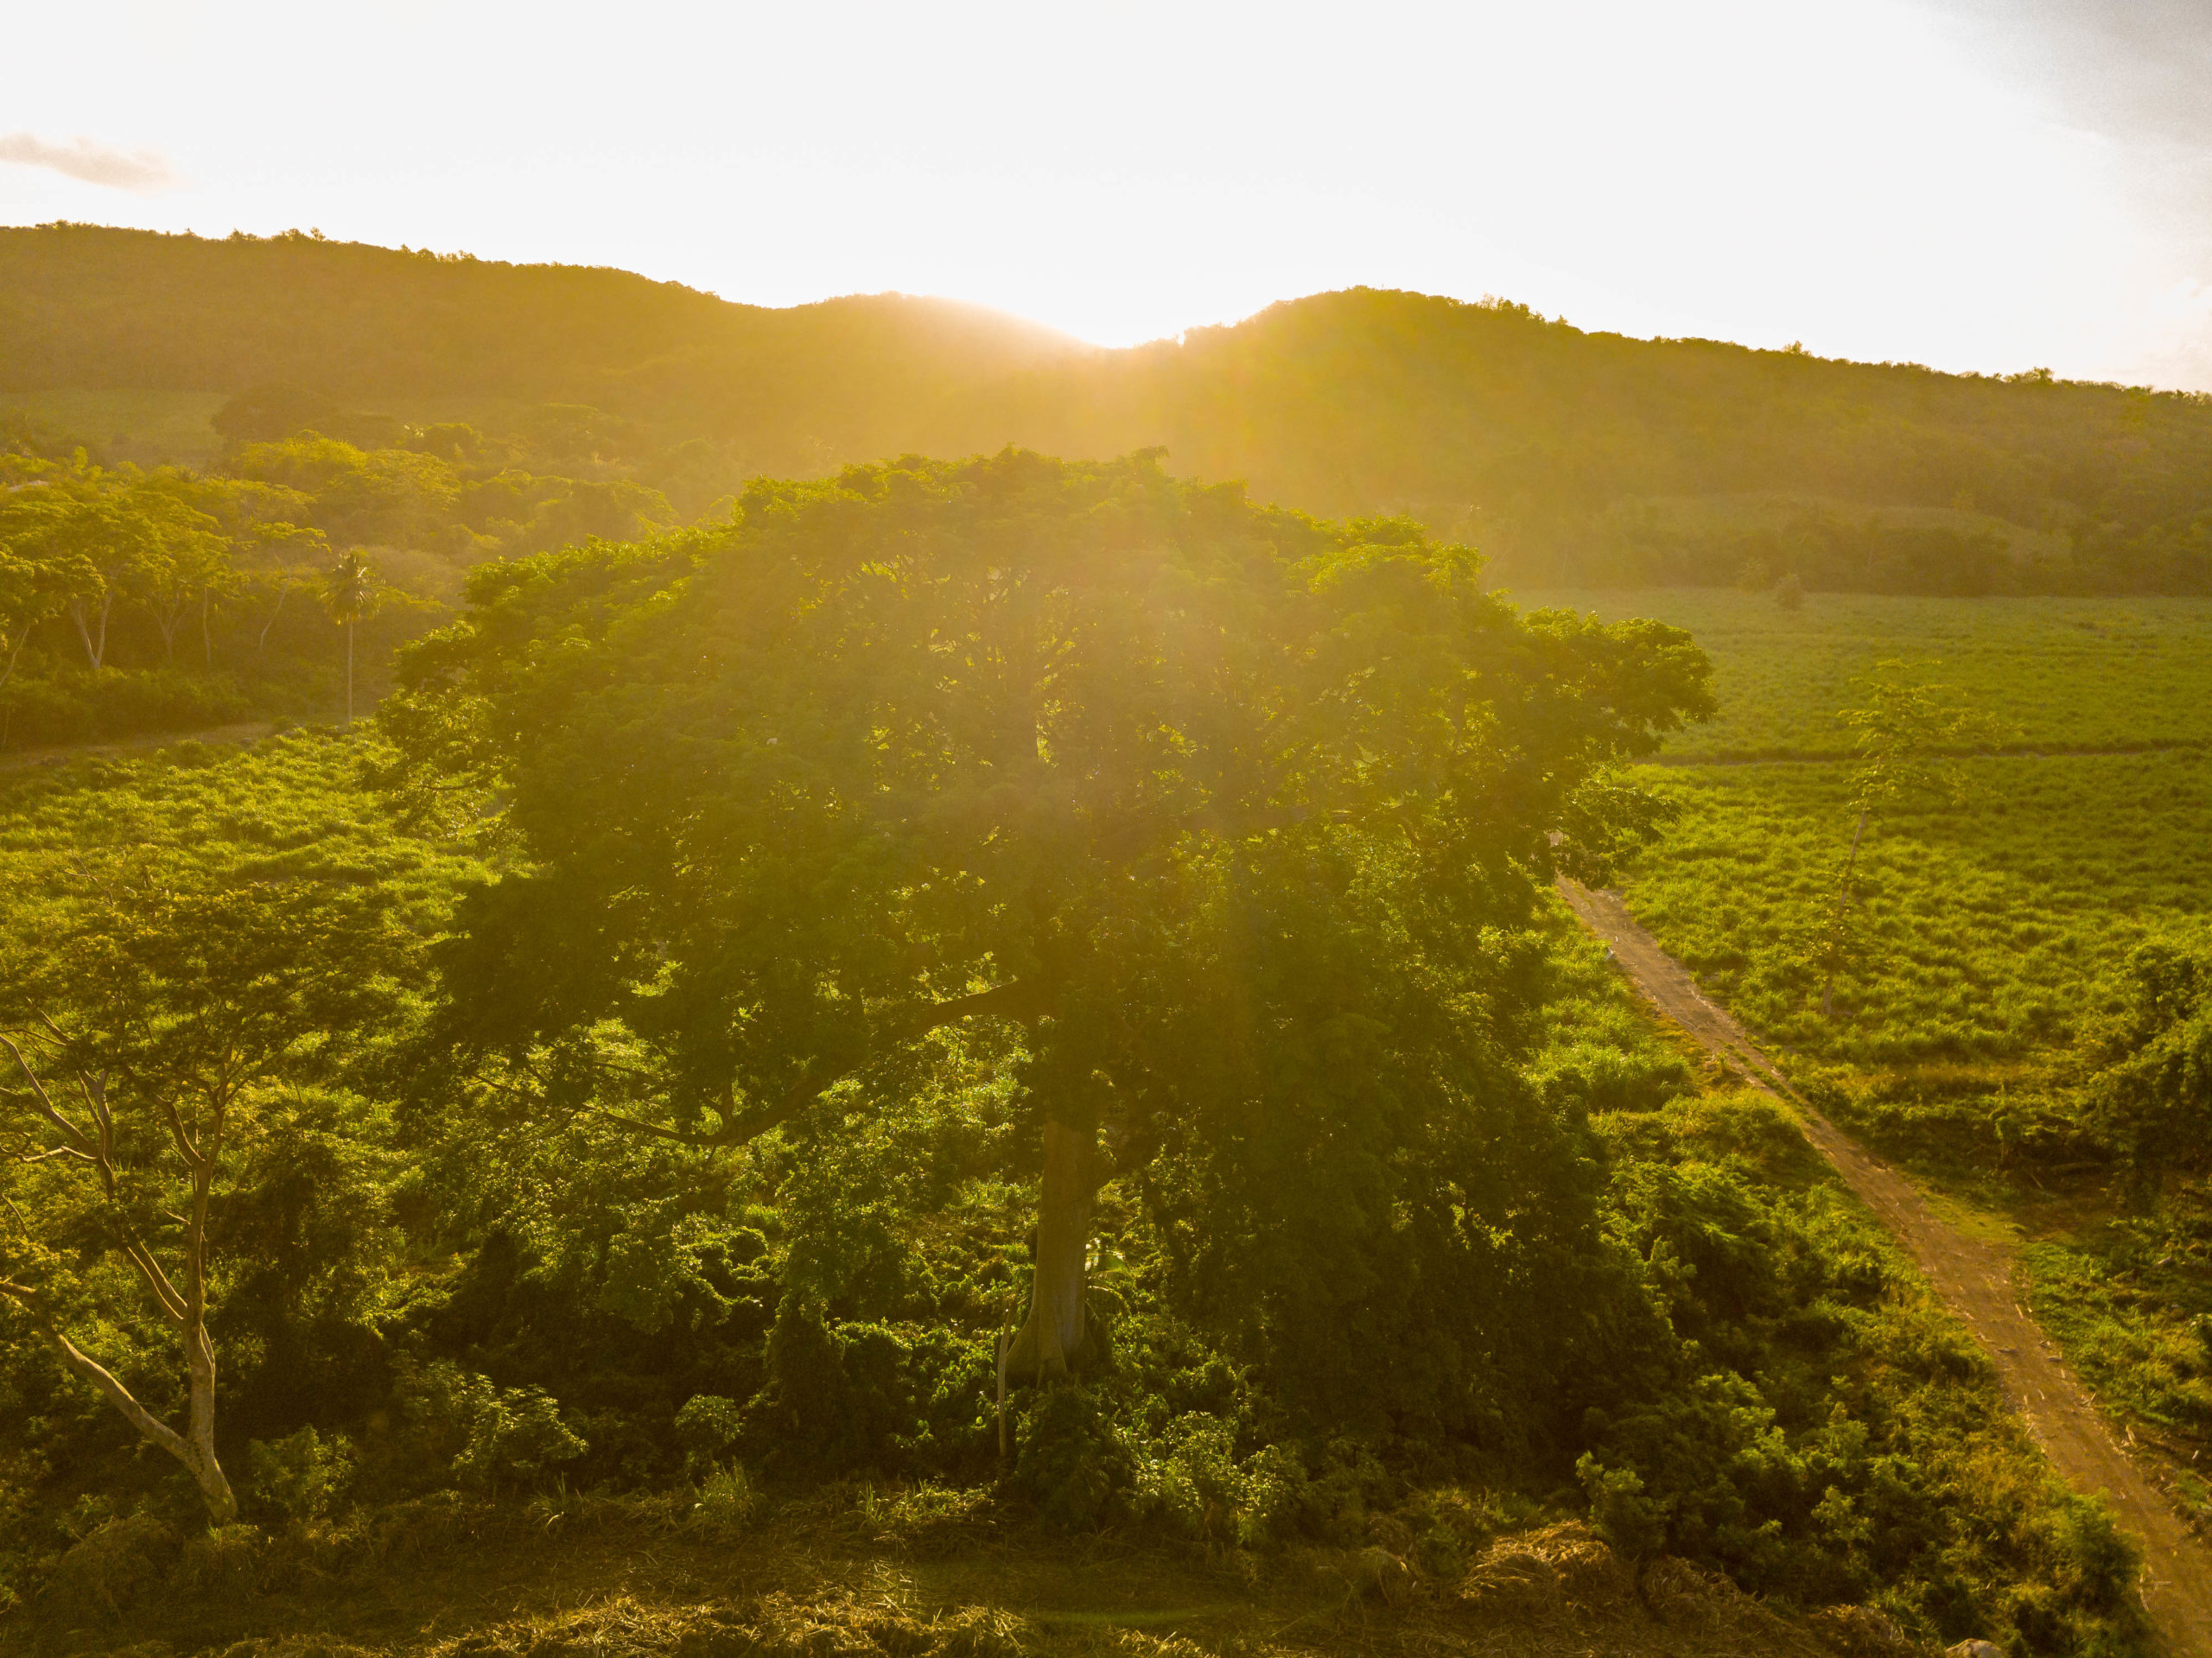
<point>1555,448</point>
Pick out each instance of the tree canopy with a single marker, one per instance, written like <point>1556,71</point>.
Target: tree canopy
<point>1181,786</point>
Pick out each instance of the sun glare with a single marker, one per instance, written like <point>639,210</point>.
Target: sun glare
<point>1858,177</point>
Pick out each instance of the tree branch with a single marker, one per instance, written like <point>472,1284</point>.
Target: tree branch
<point>28,1158</point>
<point>158,1281</point>
<point>68,1130</point>
<point>88,1368</point>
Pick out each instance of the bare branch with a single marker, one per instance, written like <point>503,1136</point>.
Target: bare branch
<point>90,1369</point>
<point>94,1089</point>
<point>677,1135</point>
<point>173,1303</point>
<point>26,1158</point>
<point>45,1106</point>
<point>182,1137</point>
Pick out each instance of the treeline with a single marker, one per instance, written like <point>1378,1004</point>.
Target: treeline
<point>144,598</point>
<point>1535,439</point>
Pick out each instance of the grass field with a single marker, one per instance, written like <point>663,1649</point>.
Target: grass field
<point>2061,673</point>
<point>1990,928</point>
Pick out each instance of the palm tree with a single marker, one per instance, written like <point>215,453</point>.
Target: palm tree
<point>348,593</point>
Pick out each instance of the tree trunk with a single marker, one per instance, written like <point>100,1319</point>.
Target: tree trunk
<point>1053,1340</point>
<point>207,637</point>
<point>1842,897</point>
<point>199,1431</point>
<point>195,1450</point>
<point>94,638</point>
<point>261,646</point>
<point>349,670</point>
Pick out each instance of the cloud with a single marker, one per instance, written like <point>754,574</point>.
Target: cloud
<point>143,171</point>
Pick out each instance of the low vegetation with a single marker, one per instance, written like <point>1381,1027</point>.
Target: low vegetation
<point>2057,676</point>
<point>656,1240</point>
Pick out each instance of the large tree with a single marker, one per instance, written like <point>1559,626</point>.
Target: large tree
<point>932,742</point>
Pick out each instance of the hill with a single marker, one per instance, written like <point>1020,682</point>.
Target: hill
<point>1567,455</point>
<point>88,308</point>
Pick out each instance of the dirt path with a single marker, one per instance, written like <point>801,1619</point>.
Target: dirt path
<point>24,759</point>
<point>1975,1277</point>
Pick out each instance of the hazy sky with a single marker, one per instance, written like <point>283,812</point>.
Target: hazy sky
<point>1984,184</point>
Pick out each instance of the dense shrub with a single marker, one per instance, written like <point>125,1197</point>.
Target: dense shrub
<point>85,707</point>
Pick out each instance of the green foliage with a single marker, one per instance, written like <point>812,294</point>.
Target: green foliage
<point>1190,1482</point>
<point>73,706</point>
<point>2018,1011</point>
<point>727,1498</point>
<point>1619,1510</point>
<point>1908,736</point>
<point>1072,1463</point>
<point>515,1437</point>
<point>1823,1425</point>
<point>488,1437</point>
<point>709,1426</point>
<point>963,743</point>
<point>300,1477</point>
<point>2151,1099</point>
<point>834,1399</point>
<point>1996,931</point>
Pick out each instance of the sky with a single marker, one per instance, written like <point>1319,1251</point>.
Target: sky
<point>1987,185</point>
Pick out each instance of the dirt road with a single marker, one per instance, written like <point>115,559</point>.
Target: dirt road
<point>1975,1278</point>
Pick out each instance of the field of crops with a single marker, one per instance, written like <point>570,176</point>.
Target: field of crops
<point>2059,673</point>
<point>1988,928</point>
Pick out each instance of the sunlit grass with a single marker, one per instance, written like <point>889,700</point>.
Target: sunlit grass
<point>2072,673</point>
<point>291,807</point>
<point>1989,930</point>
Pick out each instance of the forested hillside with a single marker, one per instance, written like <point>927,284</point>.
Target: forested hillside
<point>85,307</point>
<point>1563,454</point>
